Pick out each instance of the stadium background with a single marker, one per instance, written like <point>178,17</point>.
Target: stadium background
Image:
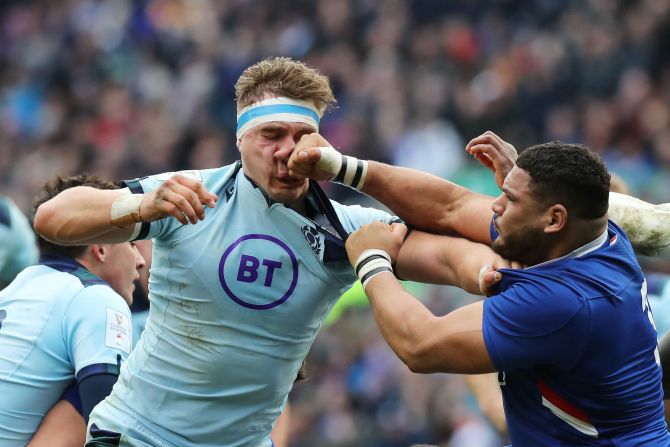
<point>126,88</point>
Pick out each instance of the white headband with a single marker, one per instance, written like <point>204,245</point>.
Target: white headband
<point>277,109</point>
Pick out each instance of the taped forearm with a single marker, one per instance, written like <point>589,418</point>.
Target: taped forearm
<point>647,225</point>
<point>78,216</point>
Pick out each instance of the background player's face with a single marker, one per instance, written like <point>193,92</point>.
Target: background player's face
<point>520,230</point>
<point>266,149</point>
<point>121,268</point>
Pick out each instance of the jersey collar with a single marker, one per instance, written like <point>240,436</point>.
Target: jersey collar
<point>579,252</point>
<point>69,265</point>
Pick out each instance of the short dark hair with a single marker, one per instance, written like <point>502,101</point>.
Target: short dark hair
<point>569,174</point>
<point>54,187</point>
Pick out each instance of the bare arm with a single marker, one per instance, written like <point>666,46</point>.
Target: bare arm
<point>430,203</point>
<point>82,215</point>
<point>63,426</point>
<point>422,200</point>
<point>453,343</point>
<point>434,259</point>
<point>424,342</point>
<point>79,216</point>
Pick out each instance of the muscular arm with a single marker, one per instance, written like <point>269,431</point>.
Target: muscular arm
<point>82,215</point>
<point>430,203</point>
<point>429,258</point>
<point>453,343</point>
<point>422,200</point>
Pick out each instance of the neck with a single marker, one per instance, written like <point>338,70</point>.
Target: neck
<point>88,264</point>
<point>579,234</point>
<point>299,206</point>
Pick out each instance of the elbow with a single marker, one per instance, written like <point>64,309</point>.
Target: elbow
<point>417,359</point>
<point>44,215</point>
<point>46,225</point>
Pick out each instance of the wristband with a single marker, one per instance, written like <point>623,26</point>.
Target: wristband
<point>371,263</point>
<point>347,170</point>
<point>126,209</point>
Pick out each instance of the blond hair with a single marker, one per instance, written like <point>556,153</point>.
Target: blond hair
<point>283,76</point>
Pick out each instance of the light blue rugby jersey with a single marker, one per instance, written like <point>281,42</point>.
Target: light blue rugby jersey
<point>18,248</point>
<point>236,302</point>
<point>58,321</point>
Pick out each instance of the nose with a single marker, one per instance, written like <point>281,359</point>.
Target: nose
<point>283,153</point>
<point>139,260</point>
<point>498,205</point>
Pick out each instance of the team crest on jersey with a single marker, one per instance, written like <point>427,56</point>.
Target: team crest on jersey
<point>313,239</point>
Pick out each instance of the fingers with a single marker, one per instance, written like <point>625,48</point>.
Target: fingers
<point>487,137</point>
<point>376,235</point>
<point>489,277</point>
<point>490,144</point>
<point>517,265</point>
<point>204,197</point>
<point>399,230</point>
<point>180,197</point>
<point>311,140</point>
<point>502,263</point>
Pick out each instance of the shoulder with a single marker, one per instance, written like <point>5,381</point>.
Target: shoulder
<point>534,302</point>
<point>356,215</point>
<point>206,176</point>
<point>98,297</point>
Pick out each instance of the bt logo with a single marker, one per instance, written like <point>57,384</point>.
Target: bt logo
<point>255,273</point>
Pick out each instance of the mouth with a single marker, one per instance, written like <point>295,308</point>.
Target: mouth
<point>290,181</point>
<point>496,227</point>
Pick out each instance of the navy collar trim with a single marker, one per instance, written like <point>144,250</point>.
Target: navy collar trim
<point>69,265</point>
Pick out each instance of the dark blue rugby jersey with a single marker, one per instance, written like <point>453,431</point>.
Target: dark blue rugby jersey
<point>575,344</point>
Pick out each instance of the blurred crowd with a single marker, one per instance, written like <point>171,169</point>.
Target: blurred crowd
<point>127,88</point>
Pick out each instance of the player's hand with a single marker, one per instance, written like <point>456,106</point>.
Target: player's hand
<point>494,153</point>
<point>489,276</point>
<point>377,235</point>
<point>305,161</point>
<point>180,197</point>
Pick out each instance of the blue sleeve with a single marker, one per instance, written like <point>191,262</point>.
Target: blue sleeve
<point>71,394</point>
<point>353,217</point>
<point>534,323</point>
<point>93,389</point>
<point>97,329</point>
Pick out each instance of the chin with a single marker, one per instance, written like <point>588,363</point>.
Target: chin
<point>288,195</point>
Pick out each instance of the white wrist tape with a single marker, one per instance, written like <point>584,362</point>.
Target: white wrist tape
<point>345,169</point>
<point>371,263</point>
<point>126,209</point>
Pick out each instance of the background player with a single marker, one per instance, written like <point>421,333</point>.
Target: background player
<point>64,321</point>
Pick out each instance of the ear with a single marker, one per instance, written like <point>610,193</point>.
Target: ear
<point>99,251</point>
<point>556,218</point>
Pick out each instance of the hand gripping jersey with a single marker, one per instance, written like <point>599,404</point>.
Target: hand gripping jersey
<point>18,249</point>
<point>575,345</point>
<point>58,323</point>
<point>236,302</point>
